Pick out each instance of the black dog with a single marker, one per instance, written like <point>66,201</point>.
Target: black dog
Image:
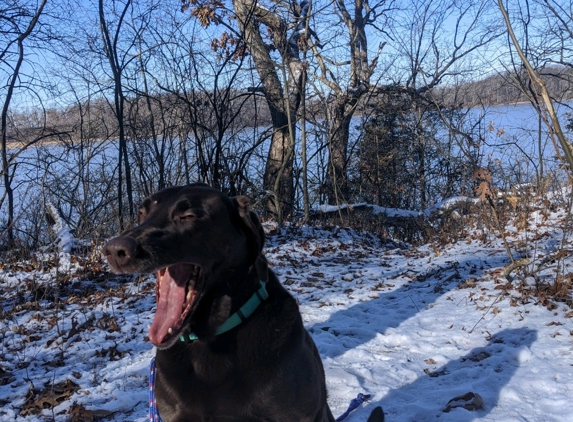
<point>206,251</point>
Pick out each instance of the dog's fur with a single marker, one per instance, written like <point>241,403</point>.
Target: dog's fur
<point>202,242</point>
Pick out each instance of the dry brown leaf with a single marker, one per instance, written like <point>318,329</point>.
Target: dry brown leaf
<point>49,398</point>
<point>482,174</point>
<point>469,401</point>
<point>483,191</point>
<point>512,201</point>
<point>81,414</point>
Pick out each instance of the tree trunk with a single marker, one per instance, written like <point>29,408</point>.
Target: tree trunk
<point>278,177</point>
<point>361,70</point>
<point>337,190</point>
<point>111,52</point>
<point>6,164</point>
<point>283,101</point>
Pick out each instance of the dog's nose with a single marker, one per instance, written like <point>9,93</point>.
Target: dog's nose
<point>119,251</point>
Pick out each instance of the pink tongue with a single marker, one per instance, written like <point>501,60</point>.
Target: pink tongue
<point>170,301</point>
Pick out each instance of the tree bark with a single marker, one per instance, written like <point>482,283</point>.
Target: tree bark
<point>338,147</point>
<point>283,101</point>
<point>361,70</point>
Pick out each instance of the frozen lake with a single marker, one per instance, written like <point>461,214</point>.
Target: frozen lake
<point>510,142</point>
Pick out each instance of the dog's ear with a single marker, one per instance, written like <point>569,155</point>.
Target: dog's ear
<point>255,234</point>
<point>262,268</point>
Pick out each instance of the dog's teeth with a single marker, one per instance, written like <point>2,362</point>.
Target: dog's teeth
<point>189,294</point>
<point>170,331</point>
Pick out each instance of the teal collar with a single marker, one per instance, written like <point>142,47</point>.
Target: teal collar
<point>240,316</point>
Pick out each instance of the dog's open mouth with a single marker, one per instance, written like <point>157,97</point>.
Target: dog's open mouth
<point>176,293</point>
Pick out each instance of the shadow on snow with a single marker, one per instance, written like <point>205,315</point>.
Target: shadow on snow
<point>484,370</point>
<point>350,327</point>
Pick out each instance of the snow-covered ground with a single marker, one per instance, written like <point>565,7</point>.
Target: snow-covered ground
<point>412,326</point>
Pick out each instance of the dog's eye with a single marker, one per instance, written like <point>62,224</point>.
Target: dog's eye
<point>187,216</point>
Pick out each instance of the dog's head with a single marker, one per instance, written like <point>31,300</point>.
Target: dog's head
<point>198,242</point>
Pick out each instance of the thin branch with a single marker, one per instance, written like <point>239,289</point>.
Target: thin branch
<point>565,144</point>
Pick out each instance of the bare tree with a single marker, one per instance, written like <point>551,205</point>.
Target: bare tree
<point>539,94</point>
<point>271,34</point>
<point>118,61</point>
<point>18,22</point>
<point>435,43</point>
<point>282,90</point>
<point>198,96</point>
<point>346,73</point>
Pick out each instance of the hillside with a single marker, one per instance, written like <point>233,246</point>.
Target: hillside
<point>508,88</point>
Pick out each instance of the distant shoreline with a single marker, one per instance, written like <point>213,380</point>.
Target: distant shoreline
<point>43,143</point>
<point>51,142</point>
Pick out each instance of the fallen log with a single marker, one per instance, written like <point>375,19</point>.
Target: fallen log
<point>396,217</point>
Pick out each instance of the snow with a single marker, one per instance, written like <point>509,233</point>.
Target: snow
<point>390,212</point>
<point>64,236</point>
<point>439,208</point>
<point>414,327</point>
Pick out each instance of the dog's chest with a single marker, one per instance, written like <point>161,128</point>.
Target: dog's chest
<point>193,398</point>
<point>205,386</point>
